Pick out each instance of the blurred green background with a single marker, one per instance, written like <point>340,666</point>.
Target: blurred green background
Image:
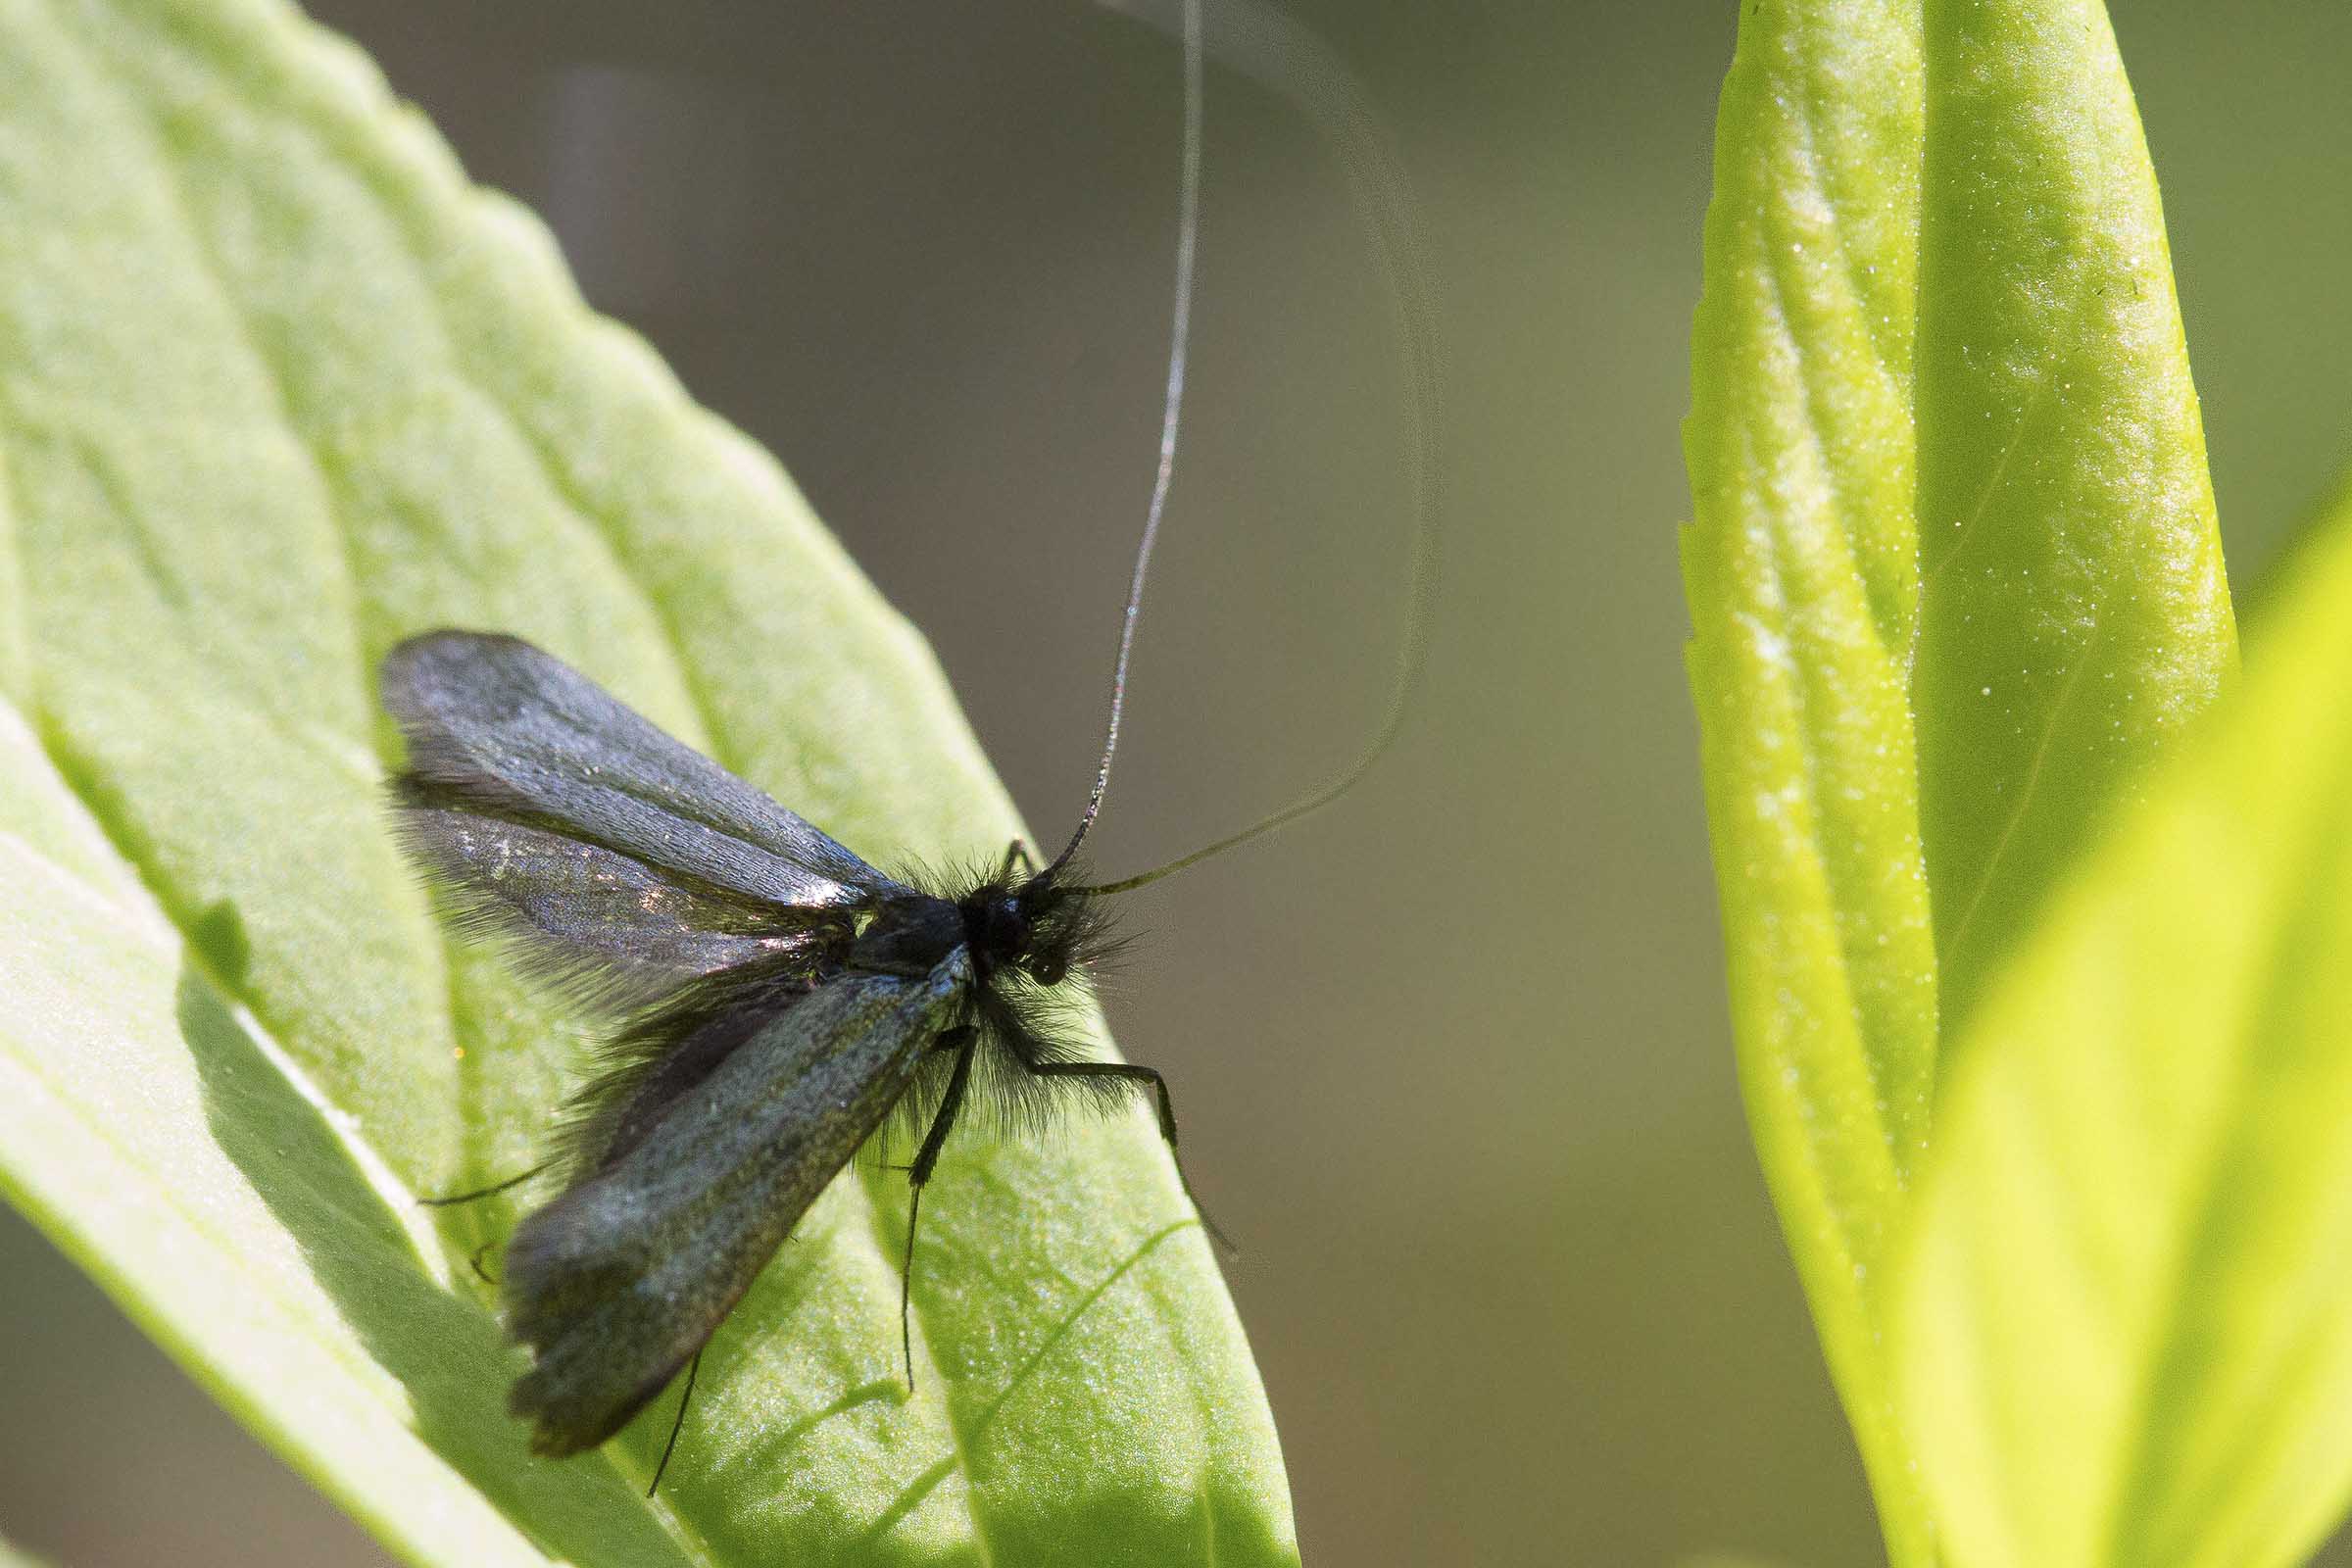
<point>1452,1059</point>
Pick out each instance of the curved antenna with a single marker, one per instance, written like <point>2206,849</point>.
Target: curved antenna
<point>1180,332</point>
<point>1280,53</point>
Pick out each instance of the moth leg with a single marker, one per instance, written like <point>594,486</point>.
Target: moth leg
<point>491,1190</point>
<point>474,1260</point>
<point>950,1040</point>
<point>1016,854</point>
<point>693,1368</point>
<point>1129,1072</point>
<point>963,1040</point>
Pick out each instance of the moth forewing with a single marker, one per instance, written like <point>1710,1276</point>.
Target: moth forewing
<point>496,727</point>
<point>619,1281</point>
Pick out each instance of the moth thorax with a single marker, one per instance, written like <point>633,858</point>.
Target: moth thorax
<point>910,937</point>
<point>997,927</point>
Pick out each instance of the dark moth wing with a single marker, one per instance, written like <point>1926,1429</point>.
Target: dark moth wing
<point>600,925</point>
<point>622,862</point>
<point>619,1281</point>
<point>497,728</point>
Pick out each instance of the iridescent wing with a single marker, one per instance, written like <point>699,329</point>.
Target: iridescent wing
<point>616,858</point>
<point>617,1283</point>
<point>498,728</point>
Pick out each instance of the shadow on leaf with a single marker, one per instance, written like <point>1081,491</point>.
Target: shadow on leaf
<point>445,1353</point>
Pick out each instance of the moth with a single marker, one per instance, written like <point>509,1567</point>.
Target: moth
<point>780,1000</point>
<point>776,999</point>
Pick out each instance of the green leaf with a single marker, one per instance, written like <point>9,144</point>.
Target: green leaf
<point>1803,594</point>
<point>2074,613</point>
<point>1953,574</point>
<point>9,1558</point>
<point>168,1145</point>
<point>2124,1336</point>
<point>276,388</point>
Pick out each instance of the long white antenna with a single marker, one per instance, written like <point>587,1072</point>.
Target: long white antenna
<point>1180,334</point>
<point>1271,48</point>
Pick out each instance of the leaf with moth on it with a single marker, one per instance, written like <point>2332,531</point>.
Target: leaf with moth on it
<point>323,393</point>
<point>2123,1336</point>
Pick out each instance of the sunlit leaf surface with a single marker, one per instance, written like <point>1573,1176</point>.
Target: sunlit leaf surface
<point>2074,615</point>
<point>1803,584</point>
<point>2125,1336</point>
<point>1953,574</point>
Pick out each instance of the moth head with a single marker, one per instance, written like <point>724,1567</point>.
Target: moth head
<point>1038,927</point>
<point>1064,928</point>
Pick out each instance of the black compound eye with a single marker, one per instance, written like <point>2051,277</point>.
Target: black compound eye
<point>1049,970</point>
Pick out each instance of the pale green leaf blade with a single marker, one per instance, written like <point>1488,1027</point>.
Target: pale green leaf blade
<point>157,1134</point>
<point>2123,1338</point>
<point>2074,613</point>
<point>1799,568</point>
<point>276,387</point>
<point>11,1557</point>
